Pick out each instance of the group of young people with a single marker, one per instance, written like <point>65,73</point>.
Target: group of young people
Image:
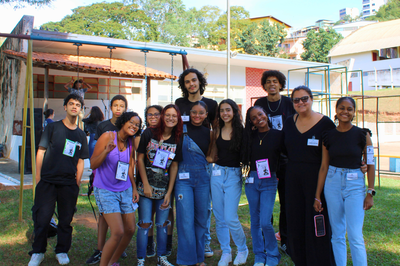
<point>199,153</point>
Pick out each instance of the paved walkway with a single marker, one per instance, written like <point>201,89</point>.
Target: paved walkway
<point>10,178</point>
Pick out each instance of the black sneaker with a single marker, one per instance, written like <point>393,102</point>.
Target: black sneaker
<point>151,250</point>
<point>169,250</point>
<point>95,258</point>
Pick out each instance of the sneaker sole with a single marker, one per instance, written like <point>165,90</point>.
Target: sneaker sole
<point>151,255</point>
<point>208,255</point>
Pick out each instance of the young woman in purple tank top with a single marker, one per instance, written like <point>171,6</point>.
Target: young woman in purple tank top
<point>114,185</point>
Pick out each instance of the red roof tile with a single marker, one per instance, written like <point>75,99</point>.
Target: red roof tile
<point>91,64</point>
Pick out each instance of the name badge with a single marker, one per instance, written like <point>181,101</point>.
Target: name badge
<point>352,176</point>
<point>185,118</point>
<point>249,180</point>
<point>171,155</point>
<point>370,155</point>
<point>263,170</point>
<point>313,142</point>
<point>161,158</point>
<point>135,206</point>
<point>122,171</point>
<point>184,175</point>
<point>216,172</point>
<point>69,148</point>
<point>276,122</point>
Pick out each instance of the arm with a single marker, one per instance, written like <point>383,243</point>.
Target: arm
<point>79,171</point>
<point>369,201</point>
<point>39,162</point>
<point>135,195</point>
<point>88,86</point>
<point>148,191</point>
<point>213,150</point>
<point>66,86</point>
<point>321,179</point>
<point>104,145</point>
<point>173,171</point>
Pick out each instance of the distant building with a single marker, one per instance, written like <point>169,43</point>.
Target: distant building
<point>370,7</point>
<point>352,12</point>
<point>374,49</point>
<point>347,28</point>
<point>324,23</point>
<point>271,20</point>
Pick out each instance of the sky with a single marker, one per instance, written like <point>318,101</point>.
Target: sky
<point>296,13</point>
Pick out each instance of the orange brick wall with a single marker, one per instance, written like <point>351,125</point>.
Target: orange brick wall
<point>253,85</point>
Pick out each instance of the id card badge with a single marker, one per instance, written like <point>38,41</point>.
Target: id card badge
<point>370,155</point>
<point>313,142</point>
<point>161,158</point>
<point>185,118</point>
<point>122,171</point>
<point>351,176</point>
<point>69,148</point>
<point>249,180</point>
<point>184,176</point>
<point>216,172</point>
<point>263,170</point>
<point>276,122</point>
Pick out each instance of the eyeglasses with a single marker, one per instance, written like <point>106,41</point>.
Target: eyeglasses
<point>304,99</point>
<point>171,116</point>
<point>153,115</point>
<point>197,113</point>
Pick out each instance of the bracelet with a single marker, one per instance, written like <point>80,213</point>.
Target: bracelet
<point>318,201</point>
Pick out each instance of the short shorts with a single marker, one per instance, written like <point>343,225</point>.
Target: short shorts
<point>110,202</point>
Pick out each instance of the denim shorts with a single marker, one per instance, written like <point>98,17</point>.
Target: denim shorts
<point>111,202</point>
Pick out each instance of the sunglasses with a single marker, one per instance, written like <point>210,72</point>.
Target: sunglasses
<point>304,99</point>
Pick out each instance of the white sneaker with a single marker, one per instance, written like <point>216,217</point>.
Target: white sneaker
<point>36,259</point>
<point>259,264</point>
<point>226,258</point>
<point>241,257</point>
<point>62,258</point>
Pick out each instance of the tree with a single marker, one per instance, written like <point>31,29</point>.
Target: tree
<point>23,3</point>
<point>114,20</point>
<point>262,38</point>
<point>318,44</point>
<point>389,11</point>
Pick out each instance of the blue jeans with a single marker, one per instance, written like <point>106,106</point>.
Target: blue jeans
<point>261,197</point>
<point>92,143</point>
<point>226,189</point>
<point>145,212</point>
<point>345,199</point>
<point>191,199</point>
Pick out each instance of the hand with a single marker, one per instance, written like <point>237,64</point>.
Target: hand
<point>110,145</point>
<point>364,167</point>
<point>368,202</point>
<point>135,196</point>
<point>165,204</point>
<point>147,190</point>
<point>318,205</point>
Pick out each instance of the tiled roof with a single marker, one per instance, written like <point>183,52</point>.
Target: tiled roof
<point>91,64</point>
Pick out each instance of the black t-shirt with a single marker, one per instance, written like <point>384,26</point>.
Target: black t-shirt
<point>226,157</point>
<point>90,126</point>
<point>269,148</point>
<point>104,127</point>
<point>64,147</point>
<point>158,178</point>
<point>185,105</point>
<point>277,111</point>
<point>305,147</point>
<point>200,135</point>
<point>345,148</point>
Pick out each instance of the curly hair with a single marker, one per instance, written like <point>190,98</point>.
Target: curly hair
<point>125,117</point>
<point>202,81</point>
<point>177,131</point>
<point>75,97</point>
<point>274,73</point>
<point>237,125</point>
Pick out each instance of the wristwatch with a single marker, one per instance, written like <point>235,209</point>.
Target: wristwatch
<point>371,191</point>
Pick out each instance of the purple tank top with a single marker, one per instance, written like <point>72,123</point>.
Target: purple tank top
<point>105,174</point>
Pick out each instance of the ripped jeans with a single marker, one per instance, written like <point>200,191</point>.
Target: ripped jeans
<point>145,212</point>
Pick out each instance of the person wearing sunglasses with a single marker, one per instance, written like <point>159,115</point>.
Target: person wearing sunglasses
<point>303,144</point>
<point>278,108</point>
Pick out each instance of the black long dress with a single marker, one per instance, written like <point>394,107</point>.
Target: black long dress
<point>304,152</point>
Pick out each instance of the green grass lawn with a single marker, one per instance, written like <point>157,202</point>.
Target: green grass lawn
<point>381,231</point>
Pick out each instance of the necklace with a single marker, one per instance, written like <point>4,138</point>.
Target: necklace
<point>123,142</point>
<point>261,139</point>
<point>280,100</point>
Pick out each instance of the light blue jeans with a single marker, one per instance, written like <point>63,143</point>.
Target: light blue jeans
<point>145,213</point>
<point>345,199</point>
<point>261,197</point>
<point>226,189</point>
